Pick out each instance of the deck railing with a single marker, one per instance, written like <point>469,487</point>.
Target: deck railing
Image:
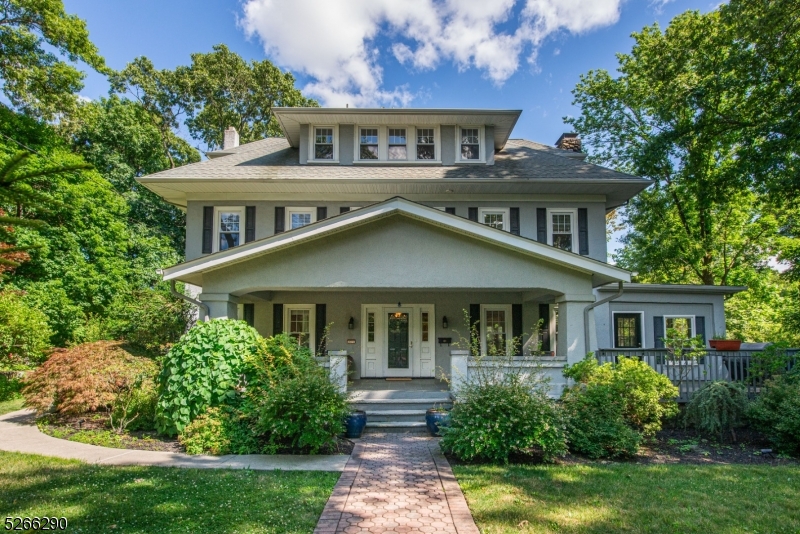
<point>689,374</point>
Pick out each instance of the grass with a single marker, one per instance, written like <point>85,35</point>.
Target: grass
<point>11,406</point>
<point>155,500</point>
<point>649,499</point>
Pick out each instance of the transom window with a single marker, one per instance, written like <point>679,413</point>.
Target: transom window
<point>299,217</point>
<point>299,321</point>
<point>426,144</point>
<point>398,149</point>
<point>323,143</point>
<point>561,230</point>
<point>369,143</point>
<point>494,217</point>
<point>679,327</point>
<point>470,144</point>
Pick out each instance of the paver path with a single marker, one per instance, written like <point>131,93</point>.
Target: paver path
<point>397,483</point>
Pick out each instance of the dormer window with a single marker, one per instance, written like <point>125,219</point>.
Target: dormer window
<point>369,143</point>
<point>323,143</point>
<point>470,144</point>
<point>398,149</point>
<point>426,144</point>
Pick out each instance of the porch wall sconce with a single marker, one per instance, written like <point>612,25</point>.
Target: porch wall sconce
<point>444,322</point>
<point>352,324</point>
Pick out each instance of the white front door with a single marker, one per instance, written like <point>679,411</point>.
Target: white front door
<point>398,341</point>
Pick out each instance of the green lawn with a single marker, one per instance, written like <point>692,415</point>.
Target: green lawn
<point>633,498</point>
<point>153,499</point>
<point>10,406</point>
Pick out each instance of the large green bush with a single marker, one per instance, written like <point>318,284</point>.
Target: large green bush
<point>292,398</point>
<point>776,411</point>
<point>10,386</point>
<point>219,431</point>
<point>24,332</point>
<point>150,319</point>
<point>717,408</point>
<point>596,424</point>
<point>647,397</point>
<point>203,369</point>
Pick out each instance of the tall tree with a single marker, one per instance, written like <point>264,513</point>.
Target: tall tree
<point>35,79</point>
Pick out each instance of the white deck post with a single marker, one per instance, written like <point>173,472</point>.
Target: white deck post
<point>338,369</point>
<point>459,369</point>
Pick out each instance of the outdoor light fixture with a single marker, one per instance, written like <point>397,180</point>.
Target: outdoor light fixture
<point>444,322</point>
<point>352,324</point>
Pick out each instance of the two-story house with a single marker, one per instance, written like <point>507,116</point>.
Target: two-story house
<point>392,224</point>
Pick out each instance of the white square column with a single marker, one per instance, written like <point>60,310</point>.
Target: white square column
<point>571,329</point>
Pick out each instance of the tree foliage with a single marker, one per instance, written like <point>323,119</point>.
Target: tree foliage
<point>35,37</point>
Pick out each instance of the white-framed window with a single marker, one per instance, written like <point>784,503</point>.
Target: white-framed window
<point>323,145</point>
<point>495,328</point>
<point>398,144</point>
<point>495,217</point>
<point>627,329</point>
<point>368,143</point>
<point>469,144</point>
<point>425,141</point>
<point>228,227</point>
<point>299,217</point>
<point>298,322</point>
<point>562,229</point>
<point>679,326</point>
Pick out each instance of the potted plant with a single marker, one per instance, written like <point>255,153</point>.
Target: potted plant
<point>435,418</point>
<point>722,342</point>
<point>355,423</point>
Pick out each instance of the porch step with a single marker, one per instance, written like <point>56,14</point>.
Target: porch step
<point>396,425</point>
<point>396,416</point>
<point>398,410</point>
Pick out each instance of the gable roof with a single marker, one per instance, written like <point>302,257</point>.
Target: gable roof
<point>191,271</point>
<point>272,166</point>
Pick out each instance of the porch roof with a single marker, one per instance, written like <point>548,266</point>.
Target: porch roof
<point>192,271</point>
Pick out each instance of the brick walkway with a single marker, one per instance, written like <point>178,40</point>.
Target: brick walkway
<point>397,483</point>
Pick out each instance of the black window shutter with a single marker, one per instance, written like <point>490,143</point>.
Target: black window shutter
<point>208,228</point>
<point>658,331</point>
<point>344,209</point>
<point>583,231</point>
<point>541,225</point>
<point>516,325</point>
<point>544,315</point>
<point>319,329</point>
<point>473,214</point>
<point>451,211</point>
<point>322,213</point>
<point>515,221</point>
<point>249,224</point>
<point>700,326</point>
<point>249,314</point>
<point>277,319</point>
<point>474,317</point>
<point>280,219</point>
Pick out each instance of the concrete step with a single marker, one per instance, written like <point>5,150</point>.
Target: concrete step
<point>395,395</point>
<point>369,406</point>
<point>401,425</point>
<point>395,416</point>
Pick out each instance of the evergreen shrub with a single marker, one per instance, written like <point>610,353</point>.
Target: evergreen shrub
<point>776,411</point>
<point>717,408</point>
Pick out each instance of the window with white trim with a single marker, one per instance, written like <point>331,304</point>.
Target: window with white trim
<point>679,326</point>
<point>562,229</point>
<point>299,323</point>
<point>324,143</point>
<point>368,143</point>
<point>470,144</point>
<point>495,217</point>
<point>229,227</point>
<point>495,328</point>
<point>299,217</point>
<point>426,144</point>
<point>398,144</point>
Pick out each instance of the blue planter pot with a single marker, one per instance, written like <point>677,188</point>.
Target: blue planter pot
<point>435,420</point>
<point>355,423</point>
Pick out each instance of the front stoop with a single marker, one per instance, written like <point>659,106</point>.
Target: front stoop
<point>398,410</point>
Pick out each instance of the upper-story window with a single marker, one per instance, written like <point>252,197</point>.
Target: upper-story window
<point>299,217</point>
<point>470,144</point>
<point>229,227</point>
<point>323,143</point>
<point>368,141</point>
<point>561,229</point>
<point>495,217</point>
<point>398,147</point>
<point>426,144</point>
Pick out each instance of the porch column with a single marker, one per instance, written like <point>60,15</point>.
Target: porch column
<point>459,369</point>
<point>571,341</point>
<point>221,305</point>
<point>338,369</point>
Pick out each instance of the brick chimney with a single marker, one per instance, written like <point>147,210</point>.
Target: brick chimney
<point>231,138</point>
<point>570,142</point>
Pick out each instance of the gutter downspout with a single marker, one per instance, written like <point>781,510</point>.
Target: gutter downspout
<point>200,305</point>
<point>592,306</point>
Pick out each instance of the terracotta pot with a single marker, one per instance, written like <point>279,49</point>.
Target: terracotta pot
<point>725,344</point>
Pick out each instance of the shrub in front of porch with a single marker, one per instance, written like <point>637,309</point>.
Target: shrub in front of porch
<point>776,411</point>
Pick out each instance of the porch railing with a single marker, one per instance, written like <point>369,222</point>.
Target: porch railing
<point>750,368</point>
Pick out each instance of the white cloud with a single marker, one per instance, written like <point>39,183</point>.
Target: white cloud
<point>332,41</point>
